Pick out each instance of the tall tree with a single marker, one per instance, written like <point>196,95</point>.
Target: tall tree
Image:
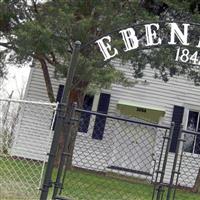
<point>45,32</point>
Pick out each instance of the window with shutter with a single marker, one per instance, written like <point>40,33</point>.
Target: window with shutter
<point>192,142</point>
<point>87,105</point>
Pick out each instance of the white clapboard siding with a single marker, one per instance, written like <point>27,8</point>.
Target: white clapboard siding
<point>33,132</point>
<point>97,155</point>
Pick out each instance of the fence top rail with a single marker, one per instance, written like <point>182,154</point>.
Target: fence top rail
<point>28,102</point>
<point>191,132</point>
<point>121,118</point>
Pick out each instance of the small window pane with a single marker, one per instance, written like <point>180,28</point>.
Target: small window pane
<point>192,126</point>
<point>189,143</point>
<point>192,121</point>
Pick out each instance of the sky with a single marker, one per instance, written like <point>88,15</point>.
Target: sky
<point>17,78</point>
<point>16,81</point>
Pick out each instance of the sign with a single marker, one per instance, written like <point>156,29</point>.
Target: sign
<point>152,38</point>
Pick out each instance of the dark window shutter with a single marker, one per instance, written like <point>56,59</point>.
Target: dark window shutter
<point>85,117</point>
<point>100,121</point>
<point>177,119</point>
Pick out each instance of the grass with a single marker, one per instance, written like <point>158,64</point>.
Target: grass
<point>23,177</point>
<point>87,186</point>
<point>19,179</point>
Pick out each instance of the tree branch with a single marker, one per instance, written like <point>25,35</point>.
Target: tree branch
<point>46,77</point>
<point>34,6</point>
<point>52,61</point>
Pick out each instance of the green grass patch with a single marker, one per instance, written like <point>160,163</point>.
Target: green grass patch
<point>19,180</point>
<point>80,185</point>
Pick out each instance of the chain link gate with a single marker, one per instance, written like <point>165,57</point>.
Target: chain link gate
<point>25,134</point>
<point>99,162</point>
<point>109,158</point>
<point>125,161</point>
<point>187,163</point>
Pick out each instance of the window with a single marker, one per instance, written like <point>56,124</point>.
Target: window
<point>100,121</point>
<point>87,105</point>
<point>192,142</point>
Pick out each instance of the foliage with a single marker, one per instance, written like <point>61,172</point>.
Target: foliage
<point>45,32</point>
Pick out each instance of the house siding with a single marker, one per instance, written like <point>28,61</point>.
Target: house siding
<point>154,92</point>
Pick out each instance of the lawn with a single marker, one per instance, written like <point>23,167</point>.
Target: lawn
<point>81,185</point>
<point>19,180</point>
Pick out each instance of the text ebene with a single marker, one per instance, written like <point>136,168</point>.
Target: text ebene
<point>152,39</point>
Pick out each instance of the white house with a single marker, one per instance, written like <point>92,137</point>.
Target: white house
<point>150,100</point>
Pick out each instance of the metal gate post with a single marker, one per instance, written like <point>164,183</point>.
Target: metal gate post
<point>178,150</point>
<point>70,117</point>
<point>160,186</point>
<point>47,183</point>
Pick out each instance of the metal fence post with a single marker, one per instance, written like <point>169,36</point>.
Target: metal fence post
<point>169,138</point>
<point>159,163</point>
<point>47,183</point>
<point>65,154</point>
<point>178,149</point>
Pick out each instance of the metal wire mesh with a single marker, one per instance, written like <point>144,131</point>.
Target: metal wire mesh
<point>25,132</point>
<point>190,161</point>
<point>114,158</point>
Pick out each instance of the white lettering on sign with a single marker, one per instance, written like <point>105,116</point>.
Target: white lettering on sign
<point>198,44</point>
<point>187,56</point>
<point>129,38</point>
<point>178,34</point>
<point>181,36</point>
<point>106,47</point>
<point>151,35</point>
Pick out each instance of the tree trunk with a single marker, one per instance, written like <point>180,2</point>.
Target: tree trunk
<point>76,95</point>
<point>196,187</point>
<point>47,79</point>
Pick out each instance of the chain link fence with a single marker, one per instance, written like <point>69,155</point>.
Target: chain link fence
<point>113,158</point>
<point>182,171</point>
<point>189,161</point>
<point>108,157</point>
<point>25,134</point>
